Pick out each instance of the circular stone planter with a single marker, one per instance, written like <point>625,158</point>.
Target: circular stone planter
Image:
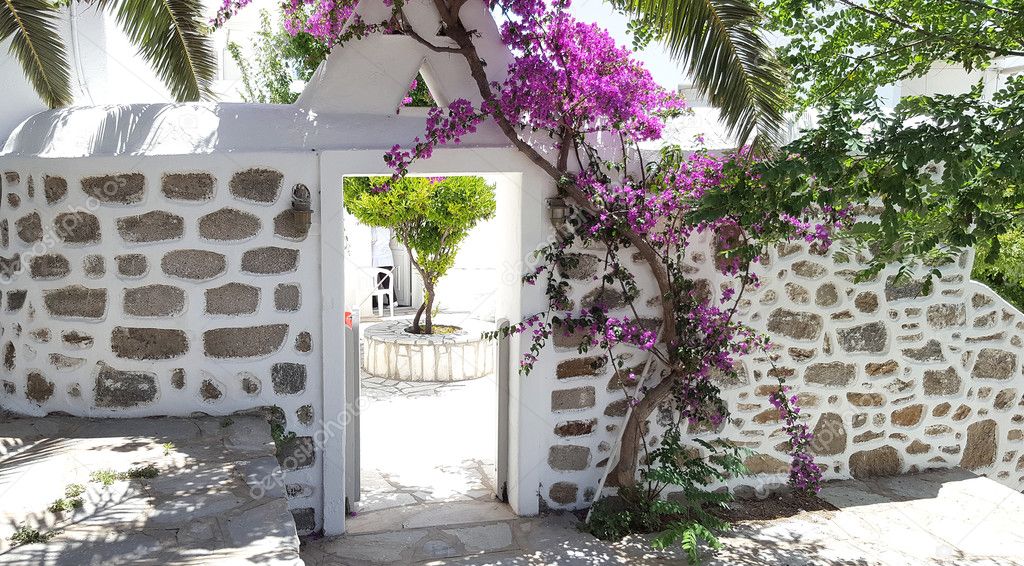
<point>393,353</point>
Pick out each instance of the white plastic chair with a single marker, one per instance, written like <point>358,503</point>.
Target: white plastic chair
<point>383,287</point>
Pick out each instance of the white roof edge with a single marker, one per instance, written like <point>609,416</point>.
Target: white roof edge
<point>207,128</point>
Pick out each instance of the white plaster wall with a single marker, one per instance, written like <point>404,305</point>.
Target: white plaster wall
<point>32,355</point>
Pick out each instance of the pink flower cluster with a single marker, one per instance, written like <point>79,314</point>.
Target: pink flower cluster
<point>571,78</point>
<point>804,474</point>
<point>444,125</point>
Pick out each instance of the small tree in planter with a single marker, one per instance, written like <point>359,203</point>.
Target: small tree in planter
<point>429,216</point>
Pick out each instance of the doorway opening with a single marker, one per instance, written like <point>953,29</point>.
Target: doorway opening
<point>431,427</point>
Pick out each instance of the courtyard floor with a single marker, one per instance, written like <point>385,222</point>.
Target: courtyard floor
<point>197,506</point>
<point>944,518</point>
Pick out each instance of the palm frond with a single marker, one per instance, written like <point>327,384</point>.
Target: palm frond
<point>729,60</point>
<point>170,35</point>
<point>32,27</point>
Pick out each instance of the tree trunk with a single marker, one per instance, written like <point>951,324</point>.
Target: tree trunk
<point>416,319</point>
<point>624,473</point>
<point>428,302</point>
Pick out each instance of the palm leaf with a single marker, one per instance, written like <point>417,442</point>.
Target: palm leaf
<point>32,27</point>
<point>726,55</point>
<point>170,35</point>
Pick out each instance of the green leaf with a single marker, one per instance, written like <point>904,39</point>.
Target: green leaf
<point>171,37</point>
<point>32,26</point>
<point>729,60</point>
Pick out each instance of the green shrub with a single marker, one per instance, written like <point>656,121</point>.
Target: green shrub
<point>430,217</point>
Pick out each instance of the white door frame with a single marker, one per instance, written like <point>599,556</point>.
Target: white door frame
<point>527,203</point>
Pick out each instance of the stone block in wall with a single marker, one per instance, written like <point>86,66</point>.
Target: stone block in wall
<point>941,382</point>
<point>270,260</point>
<point>871,337</point>
<point>831,374</point>
<point>232,299</point>
<point>244,342</point>
<point>228,224</point>
<point>909,416</point>
<point>288,378</point>
<point>210,390</point>
<point>76,301</point>
<point>131,265</point>
<point>796,325</point>
<point>10,354</point>
<point>287,297</point>
<point>617,408</point>
<point>13,200</point>
<point>77,227</point>
<point>29,228</point>
<point>38,389</point>
<point>197,265</point>
<point>251,385</point>
<point>908,289</point>
<point>154,301</point>
<point>64,362</point>
<point>76,339</point>
<point>117,389</point>
<point>930,352</point>
<point>563,338</point>
<point>947,315</point>
<point>830,436</point>
<point>178,378</point>
<point>826,295</point>
<point>765,464</point>
<point>153,226</point>
<point>993,363</point>
<point>94,266</point>
<point>605,297</point>
<point>303,342</point>
<point>1005,399</point>
<point>865,399</point>
<point>563,492</point>
<point>305,414</point>
<point>575,428</point>
<point>16,299</point>
<point>568,457</point>
<point>305,520</point>
<point>191,187</point>
<point>809,269</point>
<point>136,343</point>
<point>121,188</point>
<point>296,453</point>
<point>882,461</point>
<point>256,185</point>
<point>579,266</point>
<point>875,369</point>
<point>286,226</point>
<point>5,233</point>
<point>982,444</point>
<point>576,367</point>
<point>573,399</point>
<point>54,189</point>
<point>866,302</point>
<point>10,267</point>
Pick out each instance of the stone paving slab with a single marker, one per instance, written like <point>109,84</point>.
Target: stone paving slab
<point>199,509</point>
<point>943,518</point>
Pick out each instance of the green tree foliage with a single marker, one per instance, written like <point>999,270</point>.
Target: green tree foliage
<point>941,172</point>
<point>721,45</point>
<point>431,217</point>
<point>170,35</point>
<point>276,61</point>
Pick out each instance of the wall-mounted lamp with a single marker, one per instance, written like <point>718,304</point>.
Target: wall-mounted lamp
<point>558,210</point>
<point>302,208</point>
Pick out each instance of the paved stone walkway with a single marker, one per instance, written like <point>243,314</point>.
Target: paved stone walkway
<point>198,509</point>
<point>937,518</point>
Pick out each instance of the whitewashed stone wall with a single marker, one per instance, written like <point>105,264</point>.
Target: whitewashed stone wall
<point>137,286</point>
<point>891,381</point>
